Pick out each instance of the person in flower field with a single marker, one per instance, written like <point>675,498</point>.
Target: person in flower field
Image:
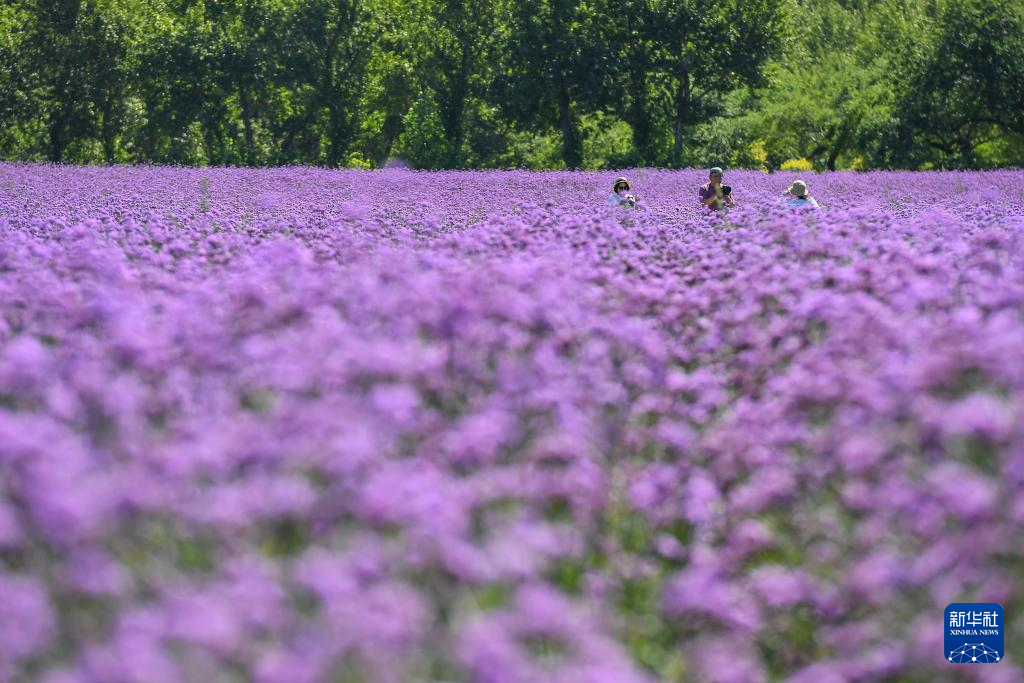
<point>798,195</point>
<point>621,196</point>
<point>713,194</point>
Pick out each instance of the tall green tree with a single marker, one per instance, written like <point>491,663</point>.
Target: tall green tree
<point>179,80</point>
<point>390,80</point>
<point>457,35</point>
<point>556,63</point>
<point>709,49</point>
<point>631,31</point>
<point>17,94</point>
<point>472,83</point>
<point>831,93</point>
<point>246,68</point>
<point>966,86</point>
<point>72,63</point>
<point>328,46</point>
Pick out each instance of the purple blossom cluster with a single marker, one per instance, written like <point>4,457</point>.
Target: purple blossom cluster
<point>303,426</point>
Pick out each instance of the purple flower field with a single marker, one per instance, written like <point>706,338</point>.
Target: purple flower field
<point>304,426</point>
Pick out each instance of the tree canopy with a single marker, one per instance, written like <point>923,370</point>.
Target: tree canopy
<point>526,83</point>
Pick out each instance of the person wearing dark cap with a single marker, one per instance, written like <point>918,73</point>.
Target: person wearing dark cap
<point>620,195</point>
<point>713,194</point>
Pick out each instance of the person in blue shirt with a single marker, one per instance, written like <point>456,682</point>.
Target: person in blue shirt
<point>797,195</point>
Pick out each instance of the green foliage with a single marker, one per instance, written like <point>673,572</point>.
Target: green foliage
<point>607,141</point>
<point>498,83</point>
<point>457,36</point>
<point>830,94</point>
<point>356,160</point>
<point>538,151</point>
<point>419,141</point>
<point>756,155</point>
<point>964,95</point>
<point>549,74</point>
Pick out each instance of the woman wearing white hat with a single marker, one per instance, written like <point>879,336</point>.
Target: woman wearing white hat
<point>620,195</point>
<point>797,195</point>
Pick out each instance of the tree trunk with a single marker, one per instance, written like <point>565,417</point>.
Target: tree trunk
<point>837,147</point>
<point>572,150</point>
<point>681,118</point>
<point>833,155</point>
<point>58,124</point>
<point>209,145</point>
<point>107,133</point>
<point>639,119</point>
<point>328,97</point>
<point>338,142</point>
<point>458,120</point>
<point>250,148</point>
<point>965,145</point>
<point>677,138</point>
<point>58,135</point>
<point>455,139</point>
<point>453,109</point>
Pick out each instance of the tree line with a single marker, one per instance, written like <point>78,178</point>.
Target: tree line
<point>515,83</point>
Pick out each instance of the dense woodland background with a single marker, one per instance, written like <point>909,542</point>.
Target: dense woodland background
<point>530,83</point>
